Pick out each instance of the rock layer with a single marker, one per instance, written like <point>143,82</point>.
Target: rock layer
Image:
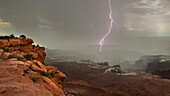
<point>26,46</point>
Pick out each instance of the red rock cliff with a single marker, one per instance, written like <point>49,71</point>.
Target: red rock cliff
<point>25,45</point>
<point>21,77</point>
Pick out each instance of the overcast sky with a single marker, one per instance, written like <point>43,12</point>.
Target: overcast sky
<point>57,24</point>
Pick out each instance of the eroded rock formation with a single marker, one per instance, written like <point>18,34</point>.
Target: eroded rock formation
<point>160,68</point>
<point>21,77</point>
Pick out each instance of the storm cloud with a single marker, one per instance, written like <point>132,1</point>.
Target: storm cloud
<point>64,24</point>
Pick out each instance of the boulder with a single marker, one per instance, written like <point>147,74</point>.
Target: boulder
<point>61,75</point>
<point>5,55</point>
<point>1,52</point>
<point>29,63</point>
<point>38,69</point>
<point>58,73</point>
<point>39,64</point>
<point>52,87</point>
<point>51,68</point>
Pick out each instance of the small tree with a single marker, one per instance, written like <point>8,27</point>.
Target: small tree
<point>11,36</point>
<point>23,36</point>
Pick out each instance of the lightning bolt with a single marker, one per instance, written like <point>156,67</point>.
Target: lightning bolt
<point>110,28</point>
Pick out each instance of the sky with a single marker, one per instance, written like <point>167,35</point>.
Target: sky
<point>73,24</point>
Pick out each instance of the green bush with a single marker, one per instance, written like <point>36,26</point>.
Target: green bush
<point>21,50</point>
<point>12,56</point>
<point>48,75</point>
<point>20,59</point>
<point>52,74</point>
<point>5,49</point>
<point>29,57</point>
<point>11,36</point>
<point>15,56</point>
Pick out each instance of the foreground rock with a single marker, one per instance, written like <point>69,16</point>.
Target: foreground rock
<point>21,77</point>
<point>13,81</point>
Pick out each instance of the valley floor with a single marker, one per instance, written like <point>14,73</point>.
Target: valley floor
<point>84,81</point>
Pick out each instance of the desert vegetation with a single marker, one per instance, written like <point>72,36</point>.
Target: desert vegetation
<point>19,58</point>
<point>51,74</point>
<point>34,79</point>
<point>12,36</point>
<point>5,49</point>
<point>29,57</point>
<point>21,50</point>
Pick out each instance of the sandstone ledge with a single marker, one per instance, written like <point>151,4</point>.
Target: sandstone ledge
<point>15,42</point>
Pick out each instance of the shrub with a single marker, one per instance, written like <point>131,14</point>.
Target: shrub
<point>4,37</point>
<point>12,56</point>
<point>20,59</point>
<point>52,74</point>
<point>23,36</point>
<point>15,56</point>
<point>48,75</point>
<point>21,50</point>
<point>34,79</point>
<point>5,49</point>
<point>29,57</point>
